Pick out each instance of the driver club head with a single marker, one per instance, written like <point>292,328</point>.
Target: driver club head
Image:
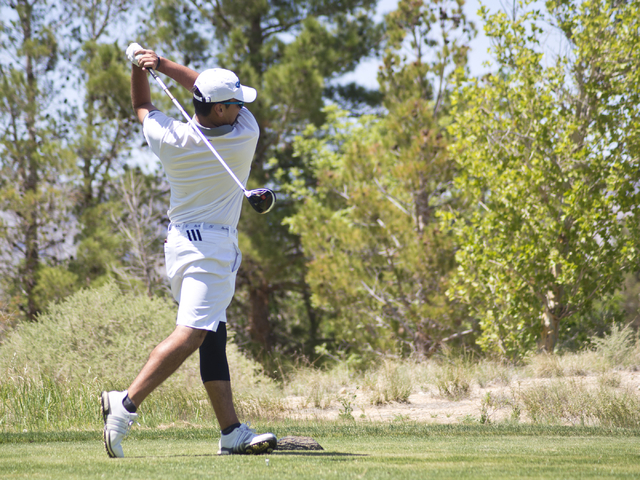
<point>262,199</point>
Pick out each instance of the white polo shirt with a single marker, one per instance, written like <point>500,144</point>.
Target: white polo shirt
<point>201,189</point>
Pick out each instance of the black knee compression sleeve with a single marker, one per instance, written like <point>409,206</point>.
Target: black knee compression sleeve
<point>213,356</point>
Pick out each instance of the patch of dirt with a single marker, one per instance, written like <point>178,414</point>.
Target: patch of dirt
<point>493,402</point>
<point>298,443</point>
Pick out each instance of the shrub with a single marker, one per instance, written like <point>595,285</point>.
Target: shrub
<point>391,382</point>
<point>453,382</point>
<point>99,339</point>
<point>94,334</point>
<point>573,402</point>
<point>617,348</point>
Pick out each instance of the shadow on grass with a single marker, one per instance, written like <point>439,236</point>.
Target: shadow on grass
<point>130,457</point>
<point>318,454</point>
<point>332,430</point>
<point>307,453</point>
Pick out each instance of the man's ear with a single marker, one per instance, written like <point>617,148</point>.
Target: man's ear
<point>219,109</point>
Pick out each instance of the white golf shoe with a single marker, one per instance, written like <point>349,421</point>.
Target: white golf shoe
<point>117,422</point>
<point>244,440</point>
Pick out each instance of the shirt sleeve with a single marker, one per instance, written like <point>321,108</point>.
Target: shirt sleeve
<point>249,122</point>
<point>158,128</point>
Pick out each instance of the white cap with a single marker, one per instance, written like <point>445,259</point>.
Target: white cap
<point>219,85</point>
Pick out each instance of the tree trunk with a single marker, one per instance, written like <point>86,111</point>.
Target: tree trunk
<point>313,320</point>
<point>550,328</point>
<point>259,325</point>
<point>31,173</point>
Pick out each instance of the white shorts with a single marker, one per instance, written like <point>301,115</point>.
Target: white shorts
<point>202,262</point>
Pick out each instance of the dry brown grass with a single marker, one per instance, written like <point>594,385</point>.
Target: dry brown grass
<point>92,345</point>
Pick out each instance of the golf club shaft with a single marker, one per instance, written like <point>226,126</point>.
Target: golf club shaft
<point>196,129</point>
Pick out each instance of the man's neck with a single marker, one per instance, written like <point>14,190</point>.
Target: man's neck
<point>213,131</point>
<point>207,123</point>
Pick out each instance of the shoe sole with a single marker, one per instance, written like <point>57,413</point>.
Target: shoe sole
<point>104,407</point>
<point>268,446</point>
<point>262,447</point>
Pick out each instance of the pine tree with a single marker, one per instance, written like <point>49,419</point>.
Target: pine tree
<point>66,114</point>
<point>289,51</point>
<point>33,155</point>
<point>379,260</point>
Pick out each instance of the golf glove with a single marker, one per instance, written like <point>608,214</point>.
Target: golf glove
<point>131,49</point>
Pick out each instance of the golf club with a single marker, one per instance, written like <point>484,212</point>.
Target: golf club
<point>261,199</point>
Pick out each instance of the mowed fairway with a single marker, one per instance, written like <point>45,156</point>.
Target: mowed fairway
<point>370,451</point>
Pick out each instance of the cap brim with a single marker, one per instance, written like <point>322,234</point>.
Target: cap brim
<point>248,94</point>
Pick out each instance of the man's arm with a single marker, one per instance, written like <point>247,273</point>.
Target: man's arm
<point>181,74</point>
<point>140,92</point>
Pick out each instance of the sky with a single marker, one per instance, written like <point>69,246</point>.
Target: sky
<point>366,72</point>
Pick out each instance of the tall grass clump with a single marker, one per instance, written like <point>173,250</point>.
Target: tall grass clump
<point>575,403</point>
<point>390,382</point>
<point>618,349</point>
<point>52,370</point>
<point>39,404</point>
<point>546,365</point>
<point>573,400</point>
<point>454,378</point>
<point>318,387</point>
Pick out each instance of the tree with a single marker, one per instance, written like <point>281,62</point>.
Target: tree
<point>103,130</point>
<point>66,114</point>
<point>102,127</point>
<point>547,150</point>
<point>379,262</point>
<point>288,51</point>
<point>32,151</point>
<point>142,227</point>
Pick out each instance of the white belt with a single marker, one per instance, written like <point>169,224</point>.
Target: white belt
<point>204,226</point>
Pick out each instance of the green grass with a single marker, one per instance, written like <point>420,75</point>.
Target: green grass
<point>50,427</point>
<point>350,451</point>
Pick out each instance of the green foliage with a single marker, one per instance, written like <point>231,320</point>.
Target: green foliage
<point>289,51</point>
<point>346,412</point>
<point>107,124</point>
<point>547,173</point>
<point>54,284</point>
<point>379,263</point>
<point>98,247</point>
<point>538,193</point>
<point>33,154</point>
<point>65,108</point>
<point>93,334</point>
<point>53,370</point>
<point>103,335</point>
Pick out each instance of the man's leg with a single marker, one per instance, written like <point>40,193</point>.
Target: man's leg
<point>118,408</point>
<point>219,392</point>
<point>164,360</point>
<point>214,370</point>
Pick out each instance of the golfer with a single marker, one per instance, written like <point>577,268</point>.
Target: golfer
<point>201,250</point>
